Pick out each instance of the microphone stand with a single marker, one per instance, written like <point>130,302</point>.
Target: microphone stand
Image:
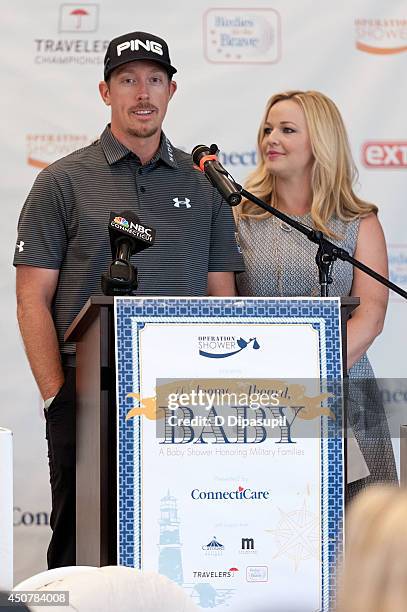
<point>327,252</point>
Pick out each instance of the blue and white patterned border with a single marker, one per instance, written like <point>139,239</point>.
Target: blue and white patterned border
<point>131,314</point>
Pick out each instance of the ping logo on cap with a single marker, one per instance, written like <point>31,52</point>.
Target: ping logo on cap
<point>134,45</point>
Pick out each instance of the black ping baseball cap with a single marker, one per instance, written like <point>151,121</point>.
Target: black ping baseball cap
<point>137,46</point>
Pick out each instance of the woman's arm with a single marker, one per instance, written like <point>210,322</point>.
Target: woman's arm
<point>368,319</point>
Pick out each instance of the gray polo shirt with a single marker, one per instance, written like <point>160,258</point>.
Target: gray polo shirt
<point>64,224</point>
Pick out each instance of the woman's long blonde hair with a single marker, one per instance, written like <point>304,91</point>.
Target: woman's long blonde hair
<point>374,577</point>
<point>333,173</point>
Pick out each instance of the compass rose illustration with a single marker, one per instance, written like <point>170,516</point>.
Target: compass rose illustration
<point>297,535</point>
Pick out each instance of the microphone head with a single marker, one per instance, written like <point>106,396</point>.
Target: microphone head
<point>126,226</point>
<point>198,152</point>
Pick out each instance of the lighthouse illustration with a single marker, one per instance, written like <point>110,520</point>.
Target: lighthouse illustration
<point>170,560</point>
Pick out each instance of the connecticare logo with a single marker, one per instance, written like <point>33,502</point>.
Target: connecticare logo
<point>242,36</point>
<point>381,36</point>
<point>219,347</point>
<point>27,518</point>
<point>43,149</point>
<point>240,494</point>
<point>385,154</point>
<point>397,254</point>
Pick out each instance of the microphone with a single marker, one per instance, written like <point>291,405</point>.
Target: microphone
<point>206,159</point>
<point>127,237</point>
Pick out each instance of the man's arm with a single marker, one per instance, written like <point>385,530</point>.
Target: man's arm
<point>35,290</point>
<point>221,284</point>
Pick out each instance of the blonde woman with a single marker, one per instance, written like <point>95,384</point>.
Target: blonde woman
<point>374,576</point>
<point>305,169</point>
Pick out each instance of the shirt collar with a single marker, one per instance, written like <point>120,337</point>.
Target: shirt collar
<point>114,150</point>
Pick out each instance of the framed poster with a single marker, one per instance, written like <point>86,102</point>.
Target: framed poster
<point>230,448</point>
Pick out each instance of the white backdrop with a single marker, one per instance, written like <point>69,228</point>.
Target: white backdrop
<point>230,60</point>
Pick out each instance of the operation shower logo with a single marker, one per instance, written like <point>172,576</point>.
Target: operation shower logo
<point>381,36</point>
<point>43,149</point>
<point>242,36</point>
<point>219,347</point>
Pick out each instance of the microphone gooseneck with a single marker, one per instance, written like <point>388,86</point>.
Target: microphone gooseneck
<point>206,158</point>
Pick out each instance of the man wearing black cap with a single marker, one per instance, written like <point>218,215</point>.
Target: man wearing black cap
<point>63,243</point>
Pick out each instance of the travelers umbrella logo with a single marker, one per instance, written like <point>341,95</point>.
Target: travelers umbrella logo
<point>381,36</point>
<point>78,17</point>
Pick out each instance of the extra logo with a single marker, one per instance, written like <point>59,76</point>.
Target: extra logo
<point>184,203</point>
<point>20,246</point>
<point>385,36</point>
<point>220,347</point>
<point>385,154</point>
<point>78,17</point>
<point>242,36</point>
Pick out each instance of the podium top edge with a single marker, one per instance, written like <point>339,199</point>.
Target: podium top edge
<point>93,304</point>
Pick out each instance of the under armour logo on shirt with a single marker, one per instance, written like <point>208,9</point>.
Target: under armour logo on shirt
<point>20,246</point>
<point>178,203</point>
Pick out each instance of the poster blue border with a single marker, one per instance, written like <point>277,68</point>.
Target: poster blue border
<point>130,311</point>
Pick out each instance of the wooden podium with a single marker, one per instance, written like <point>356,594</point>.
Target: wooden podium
<point>96,511</point>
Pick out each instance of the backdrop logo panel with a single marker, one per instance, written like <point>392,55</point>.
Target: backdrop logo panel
<point>397,266</point>
<point>29,518</point>
<point>246,36</point>
<point>381,36</point>
<point>43,149</point>
<point>78,17</point>
<point>75,19</point>
<point>385,154</point>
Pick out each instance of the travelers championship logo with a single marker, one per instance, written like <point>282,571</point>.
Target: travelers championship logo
<point>219,347</point>
<point>242,36</point>
<point>77,21</point>
<point>78,17</point>
<point>381,36</point>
